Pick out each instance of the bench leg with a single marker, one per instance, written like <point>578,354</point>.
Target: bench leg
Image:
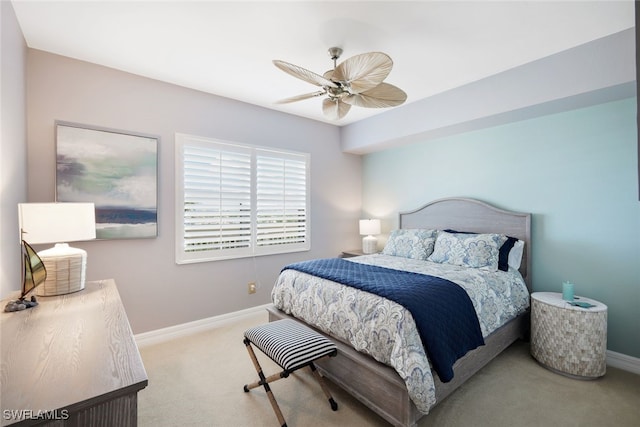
<point>325,389</point>
<point>264,382</point>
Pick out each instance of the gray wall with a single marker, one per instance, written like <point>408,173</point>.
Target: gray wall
<point>13,148</point>
<point>156,292</point>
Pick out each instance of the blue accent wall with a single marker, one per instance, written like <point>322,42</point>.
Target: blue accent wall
<point>576,172</point>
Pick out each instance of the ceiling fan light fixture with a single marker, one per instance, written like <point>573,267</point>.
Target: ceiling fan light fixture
<point>356,81</point>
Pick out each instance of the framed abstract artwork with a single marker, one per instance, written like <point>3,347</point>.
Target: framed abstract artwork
<point>117,171</point>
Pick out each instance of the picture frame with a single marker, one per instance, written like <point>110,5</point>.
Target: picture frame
<point>114,169</point>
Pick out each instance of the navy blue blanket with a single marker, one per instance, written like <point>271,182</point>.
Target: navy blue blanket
<point>443,312</point>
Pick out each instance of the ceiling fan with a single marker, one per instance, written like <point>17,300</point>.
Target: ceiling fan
<point>356,81</point>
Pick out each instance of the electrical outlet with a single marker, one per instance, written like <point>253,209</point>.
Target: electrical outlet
<point>252,287</point>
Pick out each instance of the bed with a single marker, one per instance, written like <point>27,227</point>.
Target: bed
<point>387,388</point>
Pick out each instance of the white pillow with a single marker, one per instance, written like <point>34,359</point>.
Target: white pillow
<point>515,255</point>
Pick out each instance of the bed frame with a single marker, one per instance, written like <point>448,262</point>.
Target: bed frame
<point>378,386</point>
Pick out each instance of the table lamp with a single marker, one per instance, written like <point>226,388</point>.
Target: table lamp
<point>369,227</point>
<point>58,223</point>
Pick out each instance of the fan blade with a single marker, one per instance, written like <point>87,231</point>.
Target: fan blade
<point>381,96</point>
<point>335,110</point>
<point>365,71</point>
<point>301,97</point>
<point>306,75</point>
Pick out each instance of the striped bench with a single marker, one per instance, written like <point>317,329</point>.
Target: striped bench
<point>292,346</point>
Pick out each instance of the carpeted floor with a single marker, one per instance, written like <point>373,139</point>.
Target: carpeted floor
<point>198,380</point>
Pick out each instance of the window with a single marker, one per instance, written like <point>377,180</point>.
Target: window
<point>237,201</point>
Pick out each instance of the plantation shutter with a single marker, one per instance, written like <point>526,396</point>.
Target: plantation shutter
<point>217,199</point>
<point>236,201</point>
<point>281,211</point>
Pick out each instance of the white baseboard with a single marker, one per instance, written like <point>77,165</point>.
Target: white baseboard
<point>165,334</point>
<point>624,362</point>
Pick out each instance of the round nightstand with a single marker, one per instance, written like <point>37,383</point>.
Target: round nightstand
<point>566,339</point>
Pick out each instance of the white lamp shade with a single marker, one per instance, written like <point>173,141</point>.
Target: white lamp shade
<point>57,222</point>
<point>369,227</point>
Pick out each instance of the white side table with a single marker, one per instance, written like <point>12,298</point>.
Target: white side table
<point>566,339</point>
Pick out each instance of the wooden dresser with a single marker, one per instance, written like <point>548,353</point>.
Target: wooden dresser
<point>70,361</point>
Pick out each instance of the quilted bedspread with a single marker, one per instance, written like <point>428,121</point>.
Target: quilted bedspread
<point>386,330</point>
<point>443,312</point>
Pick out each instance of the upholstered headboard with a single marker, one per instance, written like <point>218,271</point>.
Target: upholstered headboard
<point>463,214</point>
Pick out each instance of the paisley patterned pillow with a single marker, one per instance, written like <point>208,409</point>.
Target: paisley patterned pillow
<point>468,250</point>
<point>410,243</point>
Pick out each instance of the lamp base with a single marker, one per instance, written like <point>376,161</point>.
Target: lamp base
<point>66,269</point>
<point>369,245</point>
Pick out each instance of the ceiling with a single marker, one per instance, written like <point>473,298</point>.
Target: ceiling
<point>227,48</point>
